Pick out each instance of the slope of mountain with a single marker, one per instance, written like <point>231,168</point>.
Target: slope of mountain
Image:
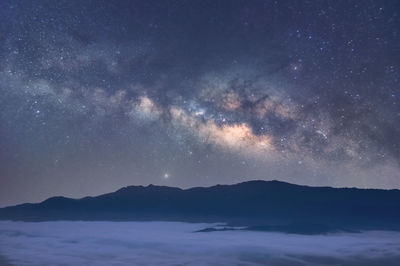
<point>261,205</point>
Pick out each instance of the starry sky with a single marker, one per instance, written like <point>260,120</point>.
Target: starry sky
<point>96,95</point>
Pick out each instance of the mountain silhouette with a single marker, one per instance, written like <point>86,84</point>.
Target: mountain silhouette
<point>258,205</point>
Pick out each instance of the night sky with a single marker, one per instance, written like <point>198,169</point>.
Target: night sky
<point>97,95</point>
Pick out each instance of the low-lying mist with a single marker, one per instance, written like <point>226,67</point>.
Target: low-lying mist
<point>175,243</point>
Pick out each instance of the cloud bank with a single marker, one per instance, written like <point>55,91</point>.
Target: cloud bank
<point>173,243</point>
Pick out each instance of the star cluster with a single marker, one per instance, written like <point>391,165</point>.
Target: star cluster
<point>96,95</point>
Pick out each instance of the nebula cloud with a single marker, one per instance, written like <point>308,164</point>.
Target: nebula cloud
<point>99,93</point>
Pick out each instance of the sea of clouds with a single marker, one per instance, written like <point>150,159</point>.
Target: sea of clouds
<point>175,243</point>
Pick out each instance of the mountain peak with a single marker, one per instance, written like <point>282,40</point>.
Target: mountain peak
<point>130,189</point>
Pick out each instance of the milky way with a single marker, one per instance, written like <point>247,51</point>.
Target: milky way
<point>96,95</point>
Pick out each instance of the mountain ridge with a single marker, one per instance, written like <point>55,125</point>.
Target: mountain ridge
<point>257,204</point>
<point>206,187</point>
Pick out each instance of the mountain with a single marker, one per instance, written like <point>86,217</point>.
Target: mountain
<point>259,205</point>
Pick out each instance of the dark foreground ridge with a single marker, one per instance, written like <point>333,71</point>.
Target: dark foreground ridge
<point>258,205</point>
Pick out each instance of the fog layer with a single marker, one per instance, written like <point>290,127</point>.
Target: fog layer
<point>174,243</point>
